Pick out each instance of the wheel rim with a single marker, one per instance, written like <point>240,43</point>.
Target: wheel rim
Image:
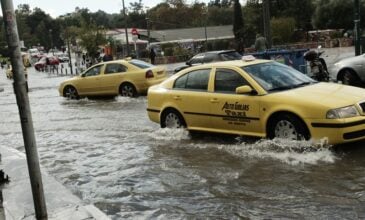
<point>71,93</point>
<point>285,129</point>
<point>127,91</point>
<point>172,120</point>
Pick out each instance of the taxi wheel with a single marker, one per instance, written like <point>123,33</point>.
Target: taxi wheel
<point>172,119</point>
<point>70,92</point>
<point>127,90</point>
<point>287,126</point>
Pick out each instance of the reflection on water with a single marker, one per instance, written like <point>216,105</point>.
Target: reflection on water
<point>108,153</point>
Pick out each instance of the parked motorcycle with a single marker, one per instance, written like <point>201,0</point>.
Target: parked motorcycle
<point>318,66</point>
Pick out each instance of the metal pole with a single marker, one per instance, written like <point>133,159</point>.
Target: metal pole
<point>357,27</point>
<point>24,109</point>
<point>267,29</point>
<point>148,30</point>
<point>205,31</point>
<point>51,36</point>
<point>125,28</point>
<point>69,52</point>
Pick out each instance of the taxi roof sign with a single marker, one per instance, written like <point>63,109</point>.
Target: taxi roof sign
<point>248,58</point>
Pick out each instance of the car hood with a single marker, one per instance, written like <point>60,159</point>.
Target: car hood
<point>331,95</point>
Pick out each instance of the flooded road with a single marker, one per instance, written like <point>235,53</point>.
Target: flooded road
<point>108,153</point>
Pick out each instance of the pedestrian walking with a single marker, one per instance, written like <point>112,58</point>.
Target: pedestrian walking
<point>260,43</point>
<point>152,55</point>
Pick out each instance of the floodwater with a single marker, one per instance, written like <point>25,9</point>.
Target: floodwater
<point>107,152</point>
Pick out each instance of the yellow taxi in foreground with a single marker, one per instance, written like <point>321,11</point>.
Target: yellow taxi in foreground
<point>258,98</point>
<point>124,77</point>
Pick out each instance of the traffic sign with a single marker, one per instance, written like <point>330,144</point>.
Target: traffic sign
<point>134,31</point>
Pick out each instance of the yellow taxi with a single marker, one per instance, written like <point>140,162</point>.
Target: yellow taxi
<point>128,77</point>
<point>259,98</point>
<point>9,72</point>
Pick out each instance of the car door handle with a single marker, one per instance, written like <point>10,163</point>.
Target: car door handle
<point>214,100</point>
<point>177,97</point>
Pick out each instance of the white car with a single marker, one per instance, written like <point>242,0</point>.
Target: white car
<point>350,71</point>
<point>63,58</point>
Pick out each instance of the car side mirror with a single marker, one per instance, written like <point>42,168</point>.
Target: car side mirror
<point>245,90</point>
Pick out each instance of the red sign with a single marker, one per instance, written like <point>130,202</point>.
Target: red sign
<point>134,31</point>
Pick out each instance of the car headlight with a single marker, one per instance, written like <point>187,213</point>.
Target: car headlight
<point>345,112</point>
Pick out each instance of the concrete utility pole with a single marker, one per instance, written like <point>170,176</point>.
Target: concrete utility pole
<point>148,30</point>
<point>69,50</point>
<point>357,31</point>
<point>126,28</point>
<point>24,109</point>
<point>267,29</point>
<point>205,29</point>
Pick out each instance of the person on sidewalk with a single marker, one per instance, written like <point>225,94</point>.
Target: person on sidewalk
<point>152,55</point>
<point>260,43</point>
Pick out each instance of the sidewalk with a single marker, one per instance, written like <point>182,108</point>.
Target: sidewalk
<point>18,200</point>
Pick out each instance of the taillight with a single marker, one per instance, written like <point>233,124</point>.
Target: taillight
<point>149,74</point>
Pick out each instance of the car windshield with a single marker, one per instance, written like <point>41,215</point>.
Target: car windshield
<point>274,76</point>
<point>141,64</point>
<point>231,55</point>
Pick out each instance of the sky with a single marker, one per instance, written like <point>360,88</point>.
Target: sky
<point>56,8</point>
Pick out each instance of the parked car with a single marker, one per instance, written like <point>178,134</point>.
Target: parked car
<point>34,52</point>
<point>260,98</point>
<point>63,58</point>
<point>350,71</point>
<point>211,56</point>
<point>46,60</point>
<point>119,77</point>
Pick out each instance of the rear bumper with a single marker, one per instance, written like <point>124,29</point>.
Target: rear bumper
<point>142,88</point>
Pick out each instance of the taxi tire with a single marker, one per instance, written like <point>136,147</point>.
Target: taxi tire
<point>127,90</point>
<point>72,90</point>
<point>289,120</point>
<point>172,114</point>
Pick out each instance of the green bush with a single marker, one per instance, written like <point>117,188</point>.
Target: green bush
<point>168,51</point>
<point>282,30</point>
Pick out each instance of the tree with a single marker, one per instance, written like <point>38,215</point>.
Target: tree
<point>218,15</point>
<point>253,17</point>
<point>301,11</point>
<point>281,27</point>
<point>136,7</point>
<point>91,37</point>
<point>335,14</point>
<point>238,26</point>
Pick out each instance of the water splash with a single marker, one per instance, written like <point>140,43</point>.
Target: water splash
<point>287,151</point>
<point>170,134</point>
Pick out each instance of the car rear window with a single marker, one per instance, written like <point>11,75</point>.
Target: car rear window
<point>141,64</point>
<point>232,55</point>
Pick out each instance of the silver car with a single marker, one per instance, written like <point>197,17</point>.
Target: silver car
<point>350,71</point>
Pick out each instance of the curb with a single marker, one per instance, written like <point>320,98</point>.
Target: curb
<point>18,199</point>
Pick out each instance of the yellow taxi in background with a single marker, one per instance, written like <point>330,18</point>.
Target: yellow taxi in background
<point>9,72</point>
<point>128,77</point>
<point>258,98</point>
